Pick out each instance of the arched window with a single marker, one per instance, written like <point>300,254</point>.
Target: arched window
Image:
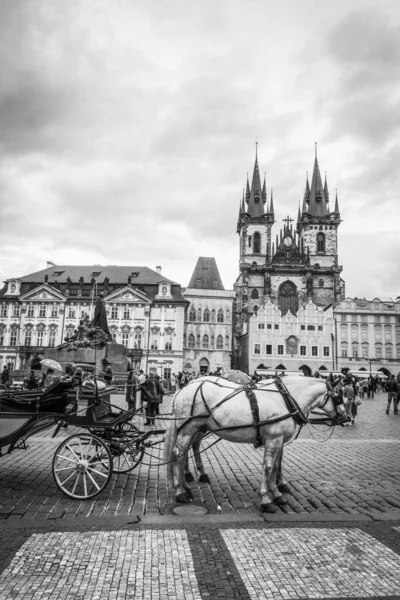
<point>191,341</point>
<point>220,342</point>
<point>213,315</point>
<point>254,294</point>
<point>287,298</point>
<point>192,314</point>
<point>256,243</point>
<point>220,316</point>
<point>199,314</point>
<point>227,342</point>
<point>205,342</point>
<point>206,316</point>
<point>320,242</point>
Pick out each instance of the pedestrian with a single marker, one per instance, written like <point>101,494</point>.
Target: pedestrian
<point>130,396</point>
<point>371,386</point>
<point>150,397</point>
<point>108,375</point>
<point>173,383</point>
<point>363,387</point>
<point>32,383</point>
<point>392,390</point>
<point>5,375</point>
<point>184,380</point>
<point>179,378</point>
<point>49,379</point>
<point>160,393</point>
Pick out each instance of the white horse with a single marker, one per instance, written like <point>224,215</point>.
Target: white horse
<point>210,404</point>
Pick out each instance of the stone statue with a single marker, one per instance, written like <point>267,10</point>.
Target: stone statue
<point>100,315</point>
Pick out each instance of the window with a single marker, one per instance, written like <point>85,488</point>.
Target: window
<point>168,345</point>
<point>28,338</point>
<point>387,319</point>
<point>268,349</point>
<point>154,344</point>
<point>388,351</point>
<point>39,338</point>
<point>206,316</point>
<point>388,334</point>
<point>13,287</point>
<point>344,350</point>
<point>42,311</point>
<point>257,348</point>
<point>249,241</point>
<point>344,318</point>
<point>3,310</point>
<point>199,314</point>
<point>320,242</point>
<point>54,311</point>
<point>205,342</point>
<point>365,350</point>
<point>377,319</point>
<point>127,314</point>
<point>326,350</point>
<point>354,333</point>
<point>13,337</point>
<point>164,290</point>
<point>71,312</point>
<point>137,344</point>
<point>355,350</point>
<point>269,326</point>
<point>254,294</point>
<point>378,351</point>
<point>276,326</point>
<point>16,310</point>
<point>320,328</point>
<point>31,310</point>
<point>280,349</point>
<point>191,341</point>
<point>125,339</point>
<point>314,350</point>
<point>310,327</point>
<point>303,350</point>
<point>52,339</point>
<point>213,315</point>
<point>220,342</point>
<point>397,334</point>
<point>302,327</point>
<point>378,333</point>
<point>220,316</point>
<point>364,318</point>
<point>261,326</point>
<point>364,333</point>
<point>257,243</point>
<point>227,342</point>
<point>114,336</point>
<point>114,312</point>
<point>192,314</point>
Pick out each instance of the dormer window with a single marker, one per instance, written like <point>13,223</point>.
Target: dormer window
<point>164,290</point>
<point>13,287</point>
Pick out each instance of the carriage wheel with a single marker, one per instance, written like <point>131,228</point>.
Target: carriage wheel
<point>126,461</point>
<point>82,466</point>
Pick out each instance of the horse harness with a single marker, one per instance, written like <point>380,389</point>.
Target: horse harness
<point>294,409</point>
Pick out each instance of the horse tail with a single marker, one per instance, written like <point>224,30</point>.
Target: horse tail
<point>171,435</point>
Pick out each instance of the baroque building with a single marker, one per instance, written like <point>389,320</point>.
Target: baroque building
<point>145,310</point>
<point>208,326</point>
<point>300,267</point>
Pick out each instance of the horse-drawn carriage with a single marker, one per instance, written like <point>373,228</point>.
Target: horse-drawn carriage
<point>105,440</point>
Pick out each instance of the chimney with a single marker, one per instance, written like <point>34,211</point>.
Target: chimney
<point>158,269</point>
<point>50,264</point>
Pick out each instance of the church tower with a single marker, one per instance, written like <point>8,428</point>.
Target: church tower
<point>255,220</point>
<point>317,227</point>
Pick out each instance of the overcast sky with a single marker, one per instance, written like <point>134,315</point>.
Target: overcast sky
<point>127,129</point>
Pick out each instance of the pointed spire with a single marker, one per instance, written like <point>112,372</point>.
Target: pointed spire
<point>247,189</point>
<point>337,204</point>
<point>256,205</point>
<point>317,202</point>
<point>264,190</point>
<point>298,215</point>
<point>271,204</point>
<point>326,191</point>
<point>242,208</point>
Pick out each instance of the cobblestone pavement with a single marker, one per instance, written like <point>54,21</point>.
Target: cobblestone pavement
<point>338,536</point>
<point>356,472</point>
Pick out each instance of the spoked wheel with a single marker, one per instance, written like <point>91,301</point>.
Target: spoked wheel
<point>124,462</point>
<point>82,466</point>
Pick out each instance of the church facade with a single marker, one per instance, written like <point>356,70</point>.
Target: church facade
<point>297,271</point>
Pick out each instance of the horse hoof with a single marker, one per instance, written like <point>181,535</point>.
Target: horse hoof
<point>189,477</point>
<point>189,494</point>
<point>183,497</point>
<point>283,487</point>
<point>280,500</point>
<point>267,507</point>
<point>204,478</point>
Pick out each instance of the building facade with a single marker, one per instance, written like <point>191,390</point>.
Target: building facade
<point>297,271</point>
<point>367,333</point>
<point>208,327</point>
<point>146,313</point>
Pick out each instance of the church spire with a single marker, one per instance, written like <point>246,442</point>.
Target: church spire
<point>242,208</point>
<point>271,204</point>
<point>326,191</point>
<point>247,189</point>
<point>264,191</point>
<point>256,206</point>
<point>317,206</point>
<point>337,205</point>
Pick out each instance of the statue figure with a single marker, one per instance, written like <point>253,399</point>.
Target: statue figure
<point>69,282</point>
<point>46,278</point>
<point>100,315</point>
<point>309,284</point>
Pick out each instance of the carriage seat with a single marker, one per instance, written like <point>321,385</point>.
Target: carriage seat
<point>53,399</point>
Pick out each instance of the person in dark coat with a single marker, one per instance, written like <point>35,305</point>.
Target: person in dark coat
<point>5,375</point>
<point>131,385</point>
<point>151,392</point>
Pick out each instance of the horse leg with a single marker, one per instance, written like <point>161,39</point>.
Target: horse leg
<point>188,475</point>
<point>204,478</point>
<point>183,443</point>
<point>280,480</point>
<point>268,489</point>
